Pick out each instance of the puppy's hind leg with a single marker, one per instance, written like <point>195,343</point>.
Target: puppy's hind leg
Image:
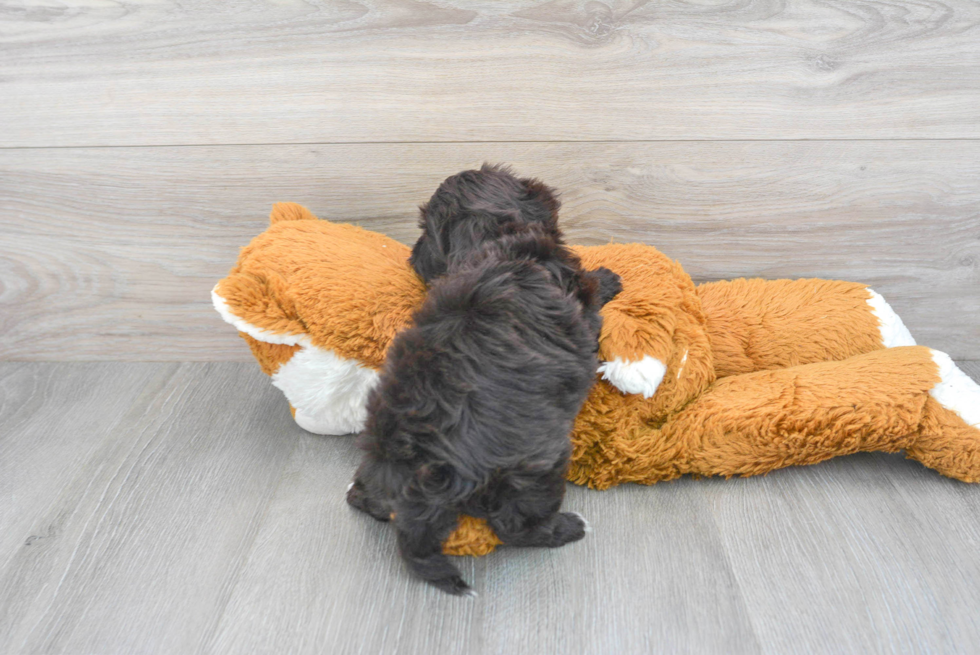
<point>359,498</point>
<point>553,531</point>
<point>530,517</point>
<point>421,531</point>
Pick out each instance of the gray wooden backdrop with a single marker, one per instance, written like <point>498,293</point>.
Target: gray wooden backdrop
<point>142,144</point>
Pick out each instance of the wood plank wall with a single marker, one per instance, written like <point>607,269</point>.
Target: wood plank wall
<point>141,144</point>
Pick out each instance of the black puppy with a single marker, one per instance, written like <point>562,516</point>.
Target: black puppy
<point>477,398</point>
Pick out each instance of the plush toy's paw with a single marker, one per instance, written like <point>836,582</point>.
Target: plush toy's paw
<point>956,391</point>
<point>642,377</point>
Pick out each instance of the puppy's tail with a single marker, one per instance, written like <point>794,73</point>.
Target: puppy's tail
<point>421,548</point>
<point>437,570</point>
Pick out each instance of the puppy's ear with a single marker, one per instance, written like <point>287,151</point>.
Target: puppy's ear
<point>428,260</point>
<point>543,195</point>
<point>428,256</point>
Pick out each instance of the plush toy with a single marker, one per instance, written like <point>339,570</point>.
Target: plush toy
<point>726,378</point>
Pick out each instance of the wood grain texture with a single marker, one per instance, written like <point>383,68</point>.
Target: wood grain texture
<point>111,253</point>
<point>193,516</point>
<point>650,578</point>
<point>51,433</point>
<point>209,72</point>
<point>299,594</point>
<point>324,578</point>
<point>137,544</point>
<point>882,553</point>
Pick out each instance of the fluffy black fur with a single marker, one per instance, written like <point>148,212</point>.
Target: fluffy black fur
<point>477,398</point>
<point>476,402</point>
<point>473,207</point>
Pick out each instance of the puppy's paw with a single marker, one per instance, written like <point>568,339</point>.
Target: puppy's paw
<point>569,527</point>
<point>454,585</point>
<point>357,497</point>
<point>588,526</point>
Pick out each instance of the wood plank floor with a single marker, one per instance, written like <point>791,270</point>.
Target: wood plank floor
<point>176,508</point>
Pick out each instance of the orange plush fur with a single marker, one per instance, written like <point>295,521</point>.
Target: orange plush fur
<point>759,374</point>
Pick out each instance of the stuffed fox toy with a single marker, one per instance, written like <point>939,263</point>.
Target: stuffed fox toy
<point>726,378</point>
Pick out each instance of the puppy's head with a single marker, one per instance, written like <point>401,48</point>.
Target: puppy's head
<point>473,207</point>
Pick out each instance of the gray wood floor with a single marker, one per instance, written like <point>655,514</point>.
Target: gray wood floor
<point>176,508</point>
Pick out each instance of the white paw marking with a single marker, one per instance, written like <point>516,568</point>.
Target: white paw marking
<point>642,377</point>
<point>956,391</point>
<point>893,331</point>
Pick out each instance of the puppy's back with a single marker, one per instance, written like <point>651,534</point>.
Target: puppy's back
<point>496,366</point>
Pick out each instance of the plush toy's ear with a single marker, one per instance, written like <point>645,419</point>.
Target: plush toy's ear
<point>260,306</point>
<point>257,299</point>
<point>290,211</point>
